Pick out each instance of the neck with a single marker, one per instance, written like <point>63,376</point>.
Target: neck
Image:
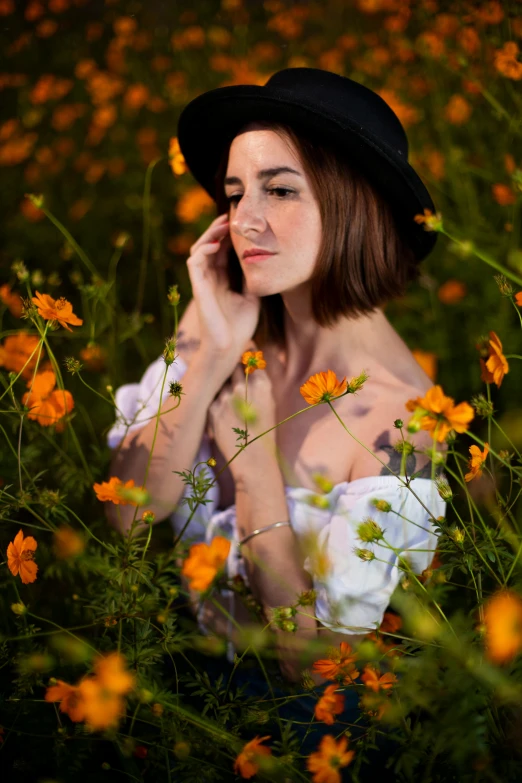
<point>347,347</point>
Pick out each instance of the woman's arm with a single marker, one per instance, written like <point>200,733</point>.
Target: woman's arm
<point>273,560</point>
<point>177,442</point>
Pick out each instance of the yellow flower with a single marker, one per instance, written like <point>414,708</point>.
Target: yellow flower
<point>323,387</point>
<point>476,463</point>
<point>437,411</point>
<point>56,310</point>
<point>204,562</point>
<point>253,360</point>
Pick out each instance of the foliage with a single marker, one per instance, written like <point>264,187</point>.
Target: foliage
<point>85,129</point>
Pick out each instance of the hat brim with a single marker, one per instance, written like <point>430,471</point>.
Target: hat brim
<point>208,123</point>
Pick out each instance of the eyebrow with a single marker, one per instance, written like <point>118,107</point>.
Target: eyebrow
<point>263,174</point>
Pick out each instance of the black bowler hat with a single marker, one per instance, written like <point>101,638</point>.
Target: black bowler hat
<point>336,109</point>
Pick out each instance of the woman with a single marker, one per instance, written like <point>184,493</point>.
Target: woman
<point>315,234</point>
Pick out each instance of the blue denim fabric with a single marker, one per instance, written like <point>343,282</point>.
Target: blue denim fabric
<point>300,711</point>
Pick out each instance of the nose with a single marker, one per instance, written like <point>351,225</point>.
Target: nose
<point>247,216</point>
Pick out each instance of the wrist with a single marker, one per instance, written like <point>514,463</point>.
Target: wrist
<point>257,470</point>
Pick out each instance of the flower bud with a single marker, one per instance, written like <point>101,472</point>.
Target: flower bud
<point>173,295</point>
<point>37,200</point>
<point>19,608</point>
<point>444,489</point>
<point>381,505</point>
<point>148,517</point>
<point>211,462</point>
<point>169,352</point>
<point>176,389</point>
<point>458,535</point>
<point>398,424</point>
<point>365,554</point>
<point>369,531</point>
<point>181,750</point>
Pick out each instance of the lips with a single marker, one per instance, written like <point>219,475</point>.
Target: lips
<point>250,257</point>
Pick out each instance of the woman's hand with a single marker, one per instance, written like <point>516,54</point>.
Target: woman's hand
<point>225,413</point>
<point>227,319</point>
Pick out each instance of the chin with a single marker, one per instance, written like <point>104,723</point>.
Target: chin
<point>261,287</point>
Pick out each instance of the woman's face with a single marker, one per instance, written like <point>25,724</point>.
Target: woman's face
<point>272,210</point>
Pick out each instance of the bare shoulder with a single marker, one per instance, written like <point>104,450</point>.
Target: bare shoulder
<point>385,440</point>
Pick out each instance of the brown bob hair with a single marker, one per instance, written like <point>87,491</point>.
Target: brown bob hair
<point>364,260</point>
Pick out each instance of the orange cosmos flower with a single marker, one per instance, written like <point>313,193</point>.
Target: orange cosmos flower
<point>56,310</point>
<point>67,543</point>
<point>323,387</point>
<point>16,350</point>
<point>476,463</point>
<point>46,404</point>
<point>436,410</point>
<point>503,621</point>
<point>20,557</point>
<point>329,705</point>
<point>70,698</point>
<point>506,61</point>
<point>176,159</point>
<point>391,623</point>
<point>326,762</point>
<point>12,301</point>
<point>253,361</point>
<point>112,674</point>
<point>247,762</point>
<point>428,362</point>
<point>110,491</point>
<point>518,298</point>
<point>94,357</point>
<point>375,704</point>
<point>432,222</point>
<point>452,291</point>
<point>204,562</point>
<point>340,664</point>
<point>372,679</point>
<point>495,366</point>
<point>96,700</point>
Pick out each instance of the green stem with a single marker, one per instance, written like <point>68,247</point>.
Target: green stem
<point>487,259</point>
<point>74,244</point>
<point>146,233</point>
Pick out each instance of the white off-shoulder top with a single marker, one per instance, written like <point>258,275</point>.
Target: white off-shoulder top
<point>352,597</point>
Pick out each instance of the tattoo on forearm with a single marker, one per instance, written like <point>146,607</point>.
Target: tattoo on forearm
<point>185,343</point>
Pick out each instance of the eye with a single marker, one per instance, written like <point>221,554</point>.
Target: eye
<point>282,191</point>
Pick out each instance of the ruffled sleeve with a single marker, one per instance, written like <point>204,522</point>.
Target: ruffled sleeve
<point>136,404</point>
<point>353,593</point>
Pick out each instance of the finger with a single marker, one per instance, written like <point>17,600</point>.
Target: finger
<point>217,229</point>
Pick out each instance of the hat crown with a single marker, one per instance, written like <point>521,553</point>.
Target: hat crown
<point>348,101</point>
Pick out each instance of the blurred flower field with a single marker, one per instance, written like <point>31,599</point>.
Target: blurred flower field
<point>103,673</point>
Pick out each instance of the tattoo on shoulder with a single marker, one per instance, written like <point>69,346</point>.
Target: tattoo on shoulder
<point>395,461</point>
